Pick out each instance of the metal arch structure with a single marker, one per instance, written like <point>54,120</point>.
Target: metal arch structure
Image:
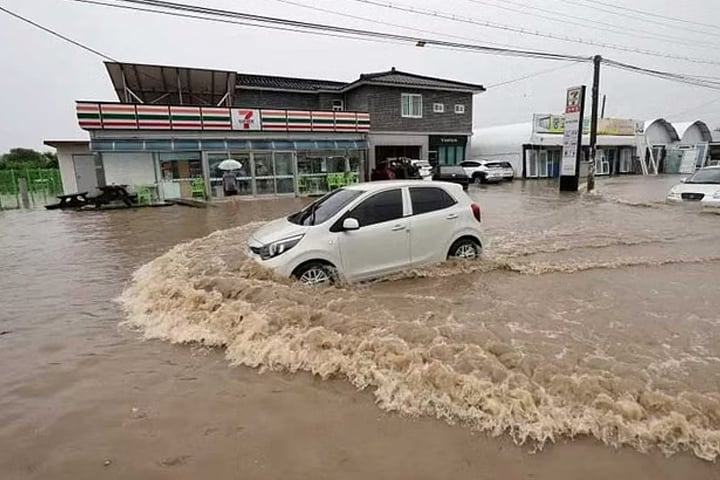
<point>168,85</point>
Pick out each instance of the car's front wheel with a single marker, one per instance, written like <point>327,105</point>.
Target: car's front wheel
<point>315,273</point>
<point>466,249</point>
<point>478,178</point>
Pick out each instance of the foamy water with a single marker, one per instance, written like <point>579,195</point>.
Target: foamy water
<point>542,339</point>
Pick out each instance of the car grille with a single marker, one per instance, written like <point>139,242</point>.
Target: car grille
<point>693,197</point>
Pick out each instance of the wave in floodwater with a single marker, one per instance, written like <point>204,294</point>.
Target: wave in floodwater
<point>429,360</point>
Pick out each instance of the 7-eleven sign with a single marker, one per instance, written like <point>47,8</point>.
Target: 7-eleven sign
<point>245,119</point>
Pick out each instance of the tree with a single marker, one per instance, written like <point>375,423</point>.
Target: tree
<point>19,158</point>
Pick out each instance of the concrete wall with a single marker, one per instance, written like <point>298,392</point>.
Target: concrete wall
<point>129,168</point>
<point>383,104</point>
<point>279,100</point>
<point>67,166</point>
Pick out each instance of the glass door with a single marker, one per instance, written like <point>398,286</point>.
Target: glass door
<point>284,172</point>
<point>543,173</point>
<point>532,163</point>
<point>264,173</point>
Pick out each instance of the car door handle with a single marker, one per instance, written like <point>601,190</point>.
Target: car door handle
<point>397,228</point>
<point>452,216</point>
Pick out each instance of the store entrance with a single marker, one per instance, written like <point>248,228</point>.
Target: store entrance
<point>383,152</point>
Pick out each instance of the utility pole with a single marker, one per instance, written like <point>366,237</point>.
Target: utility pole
<point>597,60</point>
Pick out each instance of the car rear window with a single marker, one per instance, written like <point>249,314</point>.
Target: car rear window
<point>429,199</point>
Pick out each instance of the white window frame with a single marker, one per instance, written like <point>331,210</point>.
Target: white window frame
<point>410,97</point>
<point>438,108</point>
<point>459,108</point>
<point>338,105</point>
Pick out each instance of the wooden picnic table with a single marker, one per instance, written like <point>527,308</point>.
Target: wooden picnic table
<point>73,200</point>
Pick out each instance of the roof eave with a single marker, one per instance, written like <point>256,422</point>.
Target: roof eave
<point>469,89</point>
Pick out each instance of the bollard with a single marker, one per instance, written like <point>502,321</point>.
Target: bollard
<point>22,182</point>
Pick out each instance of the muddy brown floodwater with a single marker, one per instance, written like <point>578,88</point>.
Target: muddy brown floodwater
<point>585,344</point>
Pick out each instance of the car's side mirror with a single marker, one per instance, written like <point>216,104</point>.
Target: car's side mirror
<point>350,224</point>
<point>683,180</point>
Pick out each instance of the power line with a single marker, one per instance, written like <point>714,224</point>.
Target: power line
<point>523,31</point>
<point>262,20</point>
<point>58,35</point>
<point>532,75</point>
<point>603,26</point>
<point>642,12</point>
<point>380,22</point>
<point>675,77</point>
<point>231,22</point>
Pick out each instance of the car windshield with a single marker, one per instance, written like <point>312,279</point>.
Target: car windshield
<point>325,208</point>
<point>706,175</point>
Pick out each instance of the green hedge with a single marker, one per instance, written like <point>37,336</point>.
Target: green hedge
<point>39,180</point>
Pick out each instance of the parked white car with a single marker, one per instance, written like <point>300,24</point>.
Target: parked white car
<point>482,171</point>
<point>369,230</point>
<point>702,187</point>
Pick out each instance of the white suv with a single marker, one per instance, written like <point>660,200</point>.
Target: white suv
<point>369,230</point>
<point>482,171</point>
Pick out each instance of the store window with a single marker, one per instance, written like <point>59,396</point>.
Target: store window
<point>320,171</point>
<point>181,175</point>
<point>243,175</point>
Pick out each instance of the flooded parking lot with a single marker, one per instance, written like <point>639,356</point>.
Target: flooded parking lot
<point>591,320</point>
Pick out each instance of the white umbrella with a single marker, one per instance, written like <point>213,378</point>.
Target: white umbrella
<point>230,164</point>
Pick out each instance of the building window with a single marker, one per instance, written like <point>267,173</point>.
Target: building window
<point>438,107</point>
<point>338,105</point>
<point>460,109</point>
<point>411,105</point>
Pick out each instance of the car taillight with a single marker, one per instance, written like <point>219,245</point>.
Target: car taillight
<point>476,211</point>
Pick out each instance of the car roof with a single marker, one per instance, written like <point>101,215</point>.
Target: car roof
<point>385,184</point>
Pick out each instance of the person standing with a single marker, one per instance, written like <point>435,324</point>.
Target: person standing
<point>230,184</point>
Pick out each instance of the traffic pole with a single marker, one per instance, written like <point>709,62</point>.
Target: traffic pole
<point>597,60</point>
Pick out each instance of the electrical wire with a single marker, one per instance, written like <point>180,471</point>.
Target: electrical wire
<point>675,77</point>
<point>58,35</point>
<point>493,86</point>
<point>380,22</point>
<point>261,20</point>
<point>593,5</point>
<point>596,25</point>
<point>537,33</point>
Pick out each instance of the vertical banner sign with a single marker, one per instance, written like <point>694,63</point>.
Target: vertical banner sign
<point>572,139</point>
<point>245,119</point>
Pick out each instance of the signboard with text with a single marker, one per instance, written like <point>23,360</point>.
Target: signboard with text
<point>245,119</point>
<point>555,124</point>
<point>572,139</point>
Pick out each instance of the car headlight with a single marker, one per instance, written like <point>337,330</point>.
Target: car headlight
<point>674,194</point>
<point>279,247</point>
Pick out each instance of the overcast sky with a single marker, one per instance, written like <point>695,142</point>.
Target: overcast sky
<point>42,76</point>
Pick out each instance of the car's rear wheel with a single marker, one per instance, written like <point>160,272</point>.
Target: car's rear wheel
<point>315,273</point>
<point>465,249</point>
<point>478,178</point>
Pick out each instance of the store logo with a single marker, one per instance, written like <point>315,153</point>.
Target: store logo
<point>245,119</point>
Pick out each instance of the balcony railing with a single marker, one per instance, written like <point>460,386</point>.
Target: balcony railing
<point>118,116</point>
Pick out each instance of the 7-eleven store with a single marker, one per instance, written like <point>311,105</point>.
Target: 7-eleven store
<point>174,151</point>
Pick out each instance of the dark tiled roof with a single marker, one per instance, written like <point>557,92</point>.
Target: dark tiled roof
<point>396,77</point>
<point>287,83</point>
